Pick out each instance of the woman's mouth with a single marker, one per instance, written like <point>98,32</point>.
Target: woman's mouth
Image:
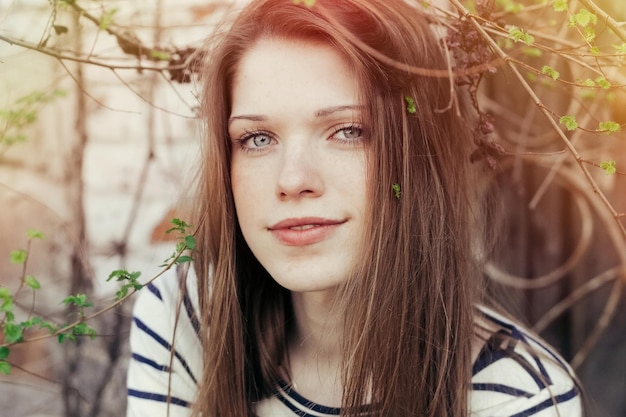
<point>304,231</point>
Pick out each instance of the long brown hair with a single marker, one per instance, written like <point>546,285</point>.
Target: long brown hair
<point>408,307</point>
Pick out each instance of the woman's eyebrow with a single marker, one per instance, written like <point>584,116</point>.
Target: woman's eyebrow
<point>334,109</point>
<point>325,112</point>
<point>252,117</point>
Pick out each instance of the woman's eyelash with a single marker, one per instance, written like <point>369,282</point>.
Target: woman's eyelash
<point>243,141</point>
<point>353,128</point>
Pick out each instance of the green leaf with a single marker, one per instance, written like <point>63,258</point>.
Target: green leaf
<point>183,259</point>
<point>120,274</point>
<point>550,72</point>
<point>18,256</point>
<point>520,36</point>
<point>569,122</point>
<point>4,352</point>
<point>79,300</point>
<point>82,329</point>
<point>7,301</point>
<point>5,368</point>
<point>179,225</point>
<point>583,18</point>
<point>588,83</point>
<point>560,5</point>
<point>160,55</point>
<point>396,190</point>
<point>32,282</point>
<point>5,294</point>
<point>410,104</point>
<point>66,337</point>
<point>107,18</point>
<point>12,332</point>
<point>34,234</point>
<point>307,3</point>
<point>608,167</point>
<point>533,52</point>
<point>122,292</point>
<point>603,82</point>
<point>609,127</point>
<point>589,34</point>
<point>190,242</point>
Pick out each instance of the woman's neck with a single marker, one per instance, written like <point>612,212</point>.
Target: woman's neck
<point>315,348</point>
<point>319,325</point>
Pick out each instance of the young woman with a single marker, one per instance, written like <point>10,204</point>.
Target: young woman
<point>336,269</point>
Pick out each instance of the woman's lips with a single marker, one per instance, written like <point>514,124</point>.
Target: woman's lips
<point>304,231</point>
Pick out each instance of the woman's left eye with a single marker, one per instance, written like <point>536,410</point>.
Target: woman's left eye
<point>350,133</point>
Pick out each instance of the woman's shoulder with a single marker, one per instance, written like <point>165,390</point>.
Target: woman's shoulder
<point>515,373</point>
<point>166,354</point>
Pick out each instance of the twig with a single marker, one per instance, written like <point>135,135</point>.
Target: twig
<point>57,55</point>
<point>592,182</point>
<point>590,286</point>
<point>603,323</point>
<point>610,22</point>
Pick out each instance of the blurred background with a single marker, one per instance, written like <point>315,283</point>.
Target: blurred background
<point>98,140</point>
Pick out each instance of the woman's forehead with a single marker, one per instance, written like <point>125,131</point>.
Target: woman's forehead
<point>278,75</point>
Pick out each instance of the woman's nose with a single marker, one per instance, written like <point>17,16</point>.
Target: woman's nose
<point>299,173</point>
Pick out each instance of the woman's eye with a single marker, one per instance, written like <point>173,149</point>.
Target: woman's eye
<point>254,141</point>
<point>260,140</point>
<point>348,133</point>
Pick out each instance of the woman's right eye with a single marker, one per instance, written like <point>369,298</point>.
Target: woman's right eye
<point>254,141</point>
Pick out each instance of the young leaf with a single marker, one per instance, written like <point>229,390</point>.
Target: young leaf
<point>520,36</point>
<point>179,225</point>
<point>183,259</point>
<point>34,234</point>
<point>396,190</point>
<point>588,83</point>
<point>511,6</point>
<point>410,104</point>
<point>594,50</point>
<point>12,332</point>
<point>550,72</point>
<point>583,18</point>
<point>7,300</point>
<point>82,329</point>
<point>107,18</point>
<point>32,282</point>
<point>609,127</point>
<point>79,300</point>
<point>5,368</point>
<point>603,82</point>
<point>18,256</point>
<point>307,3</point>
<point>190,242</point>
<point>64,337</point>
<point>569,122</point>
<point>560,5</point>
<point>589,34</point>
<point>608,167</point>
<point>533,52</point>
<point>4,352</point>
<point>160,55</point>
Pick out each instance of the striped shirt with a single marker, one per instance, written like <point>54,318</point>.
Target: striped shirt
<point>515,373</point>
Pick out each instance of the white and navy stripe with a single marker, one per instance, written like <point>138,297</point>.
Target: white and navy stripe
<point>514,375</point>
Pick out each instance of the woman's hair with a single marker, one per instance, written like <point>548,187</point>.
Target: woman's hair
<point>408,306</point>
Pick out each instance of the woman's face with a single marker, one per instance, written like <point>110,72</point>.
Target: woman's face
<point>298,162</point>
